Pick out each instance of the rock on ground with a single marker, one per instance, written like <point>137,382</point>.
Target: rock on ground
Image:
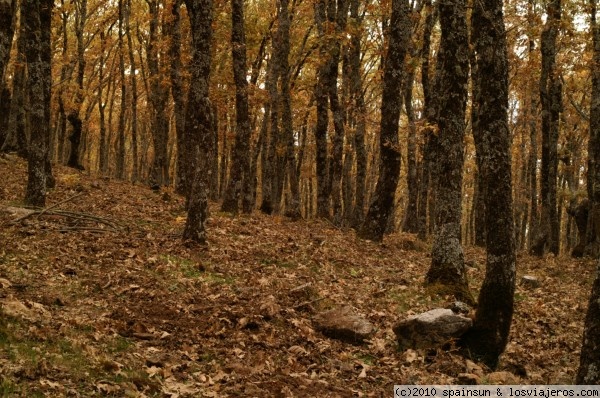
<point>430,329</point>
<point>343,323</point>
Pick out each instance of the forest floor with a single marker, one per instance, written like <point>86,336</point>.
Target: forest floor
<point>118,305</point>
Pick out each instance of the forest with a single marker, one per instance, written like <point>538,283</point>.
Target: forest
<point>204,197</point>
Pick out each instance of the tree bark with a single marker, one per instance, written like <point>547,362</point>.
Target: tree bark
<point>447,261</point>
<point>589,360</point>
<point>322,122</point>
<point>489,335</point>
<point>199,122</point>
<point>382,203</point>
<point>134,97</point>
<point>593,178</point>
<point>158,96</point>
<point>239,180</point>
<point>7,29</point>
<point>293,209</point>
<point>39,86</point>
<point>551,100</point>
<point>120,171</point>
<point>425,180</point>
<point>177,92</point>
<point>74,116</point>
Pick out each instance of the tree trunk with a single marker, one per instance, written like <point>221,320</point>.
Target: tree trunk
<point>239,180</point>
<point>7,29</point>
<point>17,129</point>
<point>489,335</point>
<point>74,114</point>
<point>134,97</point>
<point>177,91</point>
<point>593,177</point>
<point>322,122</point>
<point>199,119</point>
<point>425,180</point>
<point>121,127</point>
<point>382,203</point>
<point>158,96</point>
<point>589,360</point>
<point>447,261</point>
<point>410,221</point>
<point>550,98</point>
<point>38,87</point>
<point>293,210</point>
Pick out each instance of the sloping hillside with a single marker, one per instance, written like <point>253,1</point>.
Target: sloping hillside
<point>101,297</point>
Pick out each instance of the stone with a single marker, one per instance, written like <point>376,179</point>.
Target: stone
<point>502,377</point>
<point>460,308</point>
<point>530,282</point>
<point>343,323</point>
<point>472,367</point>
<point>431,329</point>
<point>468,379</point>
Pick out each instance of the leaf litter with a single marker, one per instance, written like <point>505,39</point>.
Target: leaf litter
<point>90,310</point>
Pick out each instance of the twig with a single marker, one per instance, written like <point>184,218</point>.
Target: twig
<point>59,203</point>
<point>305,303</point>
<point>66,229</point>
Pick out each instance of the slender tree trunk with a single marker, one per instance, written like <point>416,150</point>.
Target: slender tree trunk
<point>410,221</point>
<point>199,122</point>
<point>134,97</point>
<point>177,91</point>
<point>593,176</point>
<point>239,180</point>
<point>293,210</point>
<point>550,98</point>
<point>489,335</point>
<point>17,135</point>
<point>158,95</point>
<point>382,203</point>
<point>7,29</point>
<point>121,127</point>
<point>425,180</point>
<point>322,122</point>
<point>74,114</point>
<point>447,260</point>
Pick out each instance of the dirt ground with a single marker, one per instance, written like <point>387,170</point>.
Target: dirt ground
<point>100,297</point>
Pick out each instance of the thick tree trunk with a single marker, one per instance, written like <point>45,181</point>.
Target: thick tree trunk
<point>199,119</point>
<point>239,180</point>
<point>447,261</point>
<point>551,100</point>
<point>489,335</point>
<point>382,203</point>
<point>38,87</point>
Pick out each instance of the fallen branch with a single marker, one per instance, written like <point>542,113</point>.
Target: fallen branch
<point>60,203</point>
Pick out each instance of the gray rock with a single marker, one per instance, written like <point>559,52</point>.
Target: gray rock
<point>530,282</point>
<point>431,329</point>
<point>460,308</point>
<point>343,323</point>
